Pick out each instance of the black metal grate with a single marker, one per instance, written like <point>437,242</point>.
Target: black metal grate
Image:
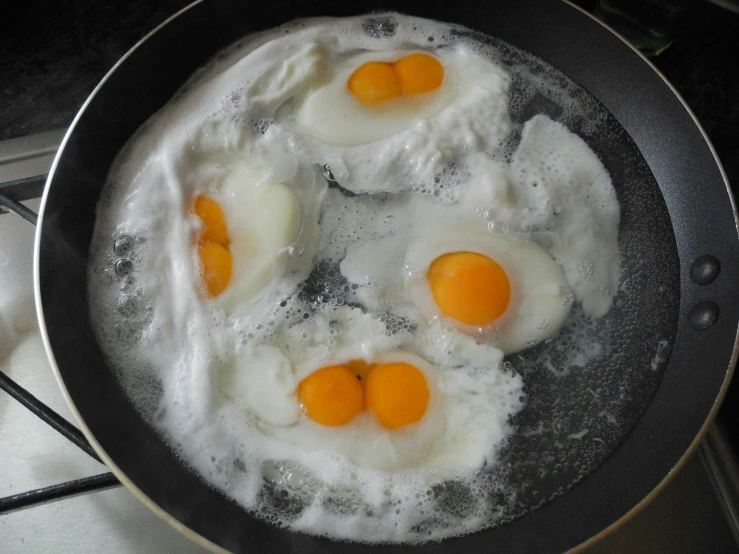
<point>10,196</point>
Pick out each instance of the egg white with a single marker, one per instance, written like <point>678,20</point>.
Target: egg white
<point>407,144</point>
<point>335,116</point>
<point>271,216</point>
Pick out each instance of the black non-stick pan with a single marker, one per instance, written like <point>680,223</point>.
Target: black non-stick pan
<point>674,324</point>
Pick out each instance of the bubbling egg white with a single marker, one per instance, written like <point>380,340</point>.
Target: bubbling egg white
<point>252,132</point>
<point>408,144</point>
<point>464,421</point>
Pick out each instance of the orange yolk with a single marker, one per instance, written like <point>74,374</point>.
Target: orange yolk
<point>377,82</point>
<point>214,222</point>
<point>397,393</point>
<point>469,287</point>
<point>419,73</point>
<point>215,259</point>
<point>332,395</point>
<point>216,266</point>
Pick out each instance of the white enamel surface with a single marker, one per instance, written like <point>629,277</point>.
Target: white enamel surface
<point>35,456</point>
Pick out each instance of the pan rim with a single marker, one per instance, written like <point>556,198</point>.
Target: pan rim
<point>96,446</point>
<point>208,544</point>
<point>637,509</point>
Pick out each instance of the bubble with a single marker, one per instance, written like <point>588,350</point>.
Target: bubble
<point>489,333</point>
<point>498,227</point>
<point>377,27</point>
<point>123,245</point>
<point>296,250</point>
<point>328,174</point>
<point>123,267</point>
<point>585,268</point>
<point>261,125</point>
<point>295,479</point>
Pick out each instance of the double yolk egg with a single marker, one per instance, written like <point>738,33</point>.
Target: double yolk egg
<point>213,242</point>
<point>396,393</point>
<point>378,82</point>
<point>374,96</point>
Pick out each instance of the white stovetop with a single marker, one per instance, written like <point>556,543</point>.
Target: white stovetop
<point>33,455</point>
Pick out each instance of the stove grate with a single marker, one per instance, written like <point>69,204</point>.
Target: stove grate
<point>10,196</point>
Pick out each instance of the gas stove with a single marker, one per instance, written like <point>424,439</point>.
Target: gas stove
<point>54,492</point>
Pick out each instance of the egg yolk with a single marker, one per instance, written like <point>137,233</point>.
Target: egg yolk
<point>469,287</point>
<point>215,259</point>
<point>214,221</point>
<point>332,395</point>
<point>397,393</point>
<point>216,266</point>
<point>377,82</point>
<point>419,73</point>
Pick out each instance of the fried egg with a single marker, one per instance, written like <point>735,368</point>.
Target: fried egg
<point>504,289</point>
<point>392,419</point>
<point>245,227</point>
<point>411,114</point>
<point>371,399</point>
<point>375,95</point>
<point>353,333</point>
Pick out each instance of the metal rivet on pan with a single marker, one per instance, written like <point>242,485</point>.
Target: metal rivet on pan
<point>704,269</point>
<point>703,315</point>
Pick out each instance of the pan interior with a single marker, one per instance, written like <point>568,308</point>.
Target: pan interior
<point>573,419</point>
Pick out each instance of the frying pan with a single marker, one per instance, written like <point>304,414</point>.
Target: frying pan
<point>680,252</point>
